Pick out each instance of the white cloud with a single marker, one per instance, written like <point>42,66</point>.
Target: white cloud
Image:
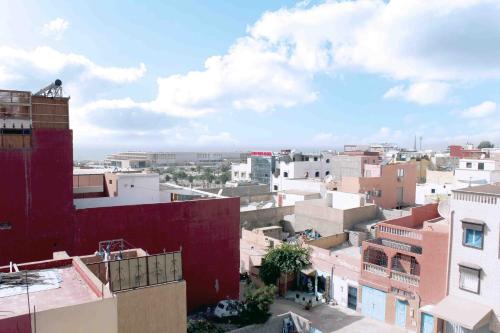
<point>52,61</point>
<point>423,93</point>
<point>5,75</point>
<point>482,110</point>
<point>55,28</point>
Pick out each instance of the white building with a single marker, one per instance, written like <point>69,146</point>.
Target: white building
<point>473,301</point>
<point>240,172</point>
<point>437,187</point>
<point>301,166</point>
<point>477,172</point>
<point>139,160</point>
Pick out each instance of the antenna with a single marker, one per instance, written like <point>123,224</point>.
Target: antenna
<point>52,90</point>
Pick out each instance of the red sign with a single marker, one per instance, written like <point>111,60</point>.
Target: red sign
<point>261,153</point>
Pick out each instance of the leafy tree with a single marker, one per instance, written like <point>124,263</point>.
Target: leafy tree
<point>181,174</point>
<point>257,304</point>
<point>202,326</point>
<point>485,144</point>
<point>224,177</point>
<point>167,177</point>
<point>190,179</point>
<point>284,259</point>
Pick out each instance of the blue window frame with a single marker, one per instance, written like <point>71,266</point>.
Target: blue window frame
<point>473,235</point>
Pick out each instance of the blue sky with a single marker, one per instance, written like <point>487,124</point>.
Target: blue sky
<point>229,75</point>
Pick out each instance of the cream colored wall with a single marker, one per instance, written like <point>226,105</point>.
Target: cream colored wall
<point>160,308</point>
<point>97,316</point>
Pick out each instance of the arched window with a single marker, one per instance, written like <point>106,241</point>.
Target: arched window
<point>316,174</point>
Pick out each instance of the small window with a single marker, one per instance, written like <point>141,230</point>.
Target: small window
<point>110,181</point>
<point>480,166</point>
<point>275,187</point>
<point>5,226</point>
<point>469,279</point>
<point>316,174</point>
<point>401,172</point>
<point>433,190</point>
<point>285,174</point>
<point>327,160</point>
<point>327,173</point>
<point>468,165</point>
<point>315,159</point>
<point>473,236</point>
<point>131,185</point>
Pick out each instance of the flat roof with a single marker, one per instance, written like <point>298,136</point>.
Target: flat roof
<point>70,290</point>
<point>482,189</point>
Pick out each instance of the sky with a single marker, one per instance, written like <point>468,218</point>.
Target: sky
<point>239,75</point>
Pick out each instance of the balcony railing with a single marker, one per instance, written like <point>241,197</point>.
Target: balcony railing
<point>405,278</point>
<point>375,269</point>
<point>396,245</point>
<point>398,231</point>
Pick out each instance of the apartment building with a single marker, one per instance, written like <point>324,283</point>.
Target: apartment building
<point>477,172</point>
<point>386,185</point>
<point>38,205</point>
<point>117,292</point>
<point>352,163</point>
<point>259,167</point>
<point>473,301</point>
<point>296,165</point>
<point>403,270</point>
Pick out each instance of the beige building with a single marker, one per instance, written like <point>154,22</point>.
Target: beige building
<point>126,291</point>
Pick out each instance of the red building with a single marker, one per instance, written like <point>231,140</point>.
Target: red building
<point>461,152</point>
<point>404,269</point>
<point>38,217</point>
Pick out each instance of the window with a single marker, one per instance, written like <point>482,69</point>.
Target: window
<point>315,159</point>
<point>316,174</point>
<point>285,174</point>
<point>327,173</point>
<point>473,235</point>
<point>433,190</point>
<point>275,187</point>
<point>111,181</point>
<point>243,174</point>
<point>468,165</point>
<point>470,277</point>
<point>327,160</point>
<point>132,185</point>
<point>5,226</point>
<point>401,172</point>
<point>480,166</point>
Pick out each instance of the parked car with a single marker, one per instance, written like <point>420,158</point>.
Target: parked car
<point>228,308</point>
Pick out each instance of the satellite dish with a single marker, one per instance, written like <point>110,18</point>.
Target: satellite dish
<point>444,209</point>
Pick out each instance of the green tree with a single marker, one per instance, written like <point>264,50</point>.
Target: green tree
<point>202,326</point>
<point>190,179</point>
<point>224,177</point>
<point>485,144</point>
<point>257,304</point>
<point>284,259</point>
<point>167,178</point>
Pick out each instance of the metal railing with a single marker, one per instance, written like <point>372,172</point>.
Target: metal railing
<point>137,272</point>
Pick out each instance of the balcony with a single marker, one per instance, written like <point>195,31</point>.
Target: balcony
<point>383,242</point>
<point>375,269</point>
<point>413,280</point>
<point>410,279</point>
<point>400,231</point>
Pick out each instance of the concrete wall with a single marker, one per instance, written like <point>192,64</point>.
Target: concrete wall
<point>328,242</point>
<point>315,214</point>
<point>155,309</point>
<point>97,316</point>
<point>257,218</point>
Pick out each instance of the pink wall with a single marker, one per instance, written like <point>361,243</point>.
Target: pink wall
<point>387,183</point>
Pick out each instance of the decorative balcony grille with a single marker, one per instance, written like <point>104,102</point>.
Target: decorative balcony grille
<point>375,269</point>
<point>400,232</point>
<point>405,278</point>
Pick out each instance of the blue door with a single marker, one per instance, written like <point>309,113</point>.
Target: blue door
<point>400,313</point>
<point>427,325</point>
<point>373,303</point>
